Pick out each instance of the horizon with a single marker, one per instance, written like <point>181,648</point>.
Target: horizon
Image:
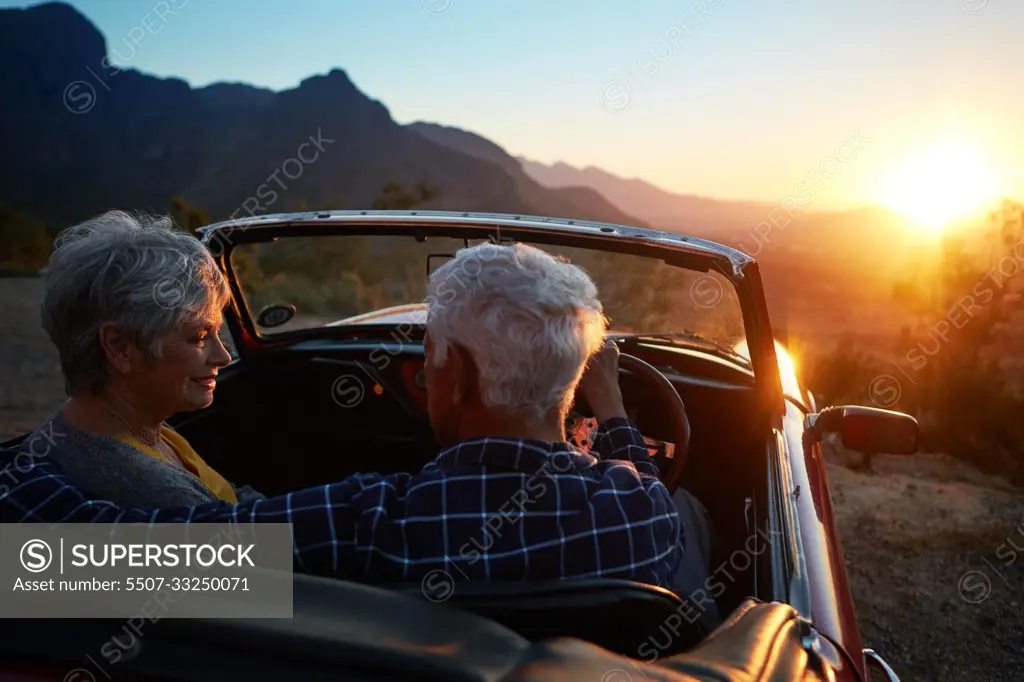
<point>918,92</point>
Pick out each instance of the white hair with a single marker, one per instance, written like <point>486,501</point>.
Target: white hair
<point>135,271</point>
<point>529,321</point>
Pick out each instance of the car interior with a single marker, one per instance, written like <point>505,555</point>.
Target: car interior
<point>315,406</point>
<point>281,422</point>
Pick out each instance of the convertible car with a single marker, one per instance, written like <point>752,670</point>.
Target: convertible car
<point>327,321</point>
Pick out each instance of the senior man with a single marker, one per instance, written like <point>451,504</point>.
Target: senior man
<point>507,498</point>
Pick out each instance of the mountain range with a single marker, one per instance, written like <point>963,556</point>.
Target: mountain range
<point>82,135</point>
<point>647,201</point>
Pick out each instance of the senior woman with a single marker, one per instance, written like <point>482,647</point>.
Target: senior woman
<point>134,309</point>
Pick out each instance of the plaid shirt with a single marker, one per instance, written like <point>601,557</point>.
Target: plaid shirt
<point>485,509</point>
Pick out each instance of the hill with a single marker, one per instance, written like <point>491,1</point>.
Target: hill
<point>650,203</point>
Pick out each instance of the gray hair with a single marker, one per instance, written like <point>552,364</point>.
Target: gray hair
<point>136,271</point>
<point>529,320</point>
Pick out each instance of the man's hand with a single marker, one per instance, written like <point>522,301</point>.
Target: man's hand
<point>600,383</point>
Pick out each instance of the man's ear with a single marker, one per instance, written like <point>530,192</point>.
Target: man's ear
<point>117,347</point>
<point>463,373</point>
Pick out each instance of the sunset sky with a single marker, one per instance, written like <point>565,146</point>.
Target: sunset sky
<point>743,103</point>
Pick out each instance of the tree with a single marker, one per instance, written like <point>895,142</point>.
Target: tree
<point>25,242</point>
<point>957,342</point>
<point>186,216</point>
<point>394,197</point>
<point>335,204</point>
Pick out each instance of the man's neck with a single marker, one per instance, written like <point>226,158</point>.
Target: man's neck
<point>486,424</point>
<point>112,413</point>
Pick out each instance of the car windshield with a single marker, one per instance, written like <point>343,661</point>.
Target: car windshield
<point>331,279</point>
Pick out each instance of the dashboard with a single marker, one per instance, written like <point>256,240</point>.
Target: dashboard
<point>401,377</point>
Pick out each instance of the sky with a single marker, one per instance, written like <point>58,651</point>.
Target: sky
<point>737,99</point>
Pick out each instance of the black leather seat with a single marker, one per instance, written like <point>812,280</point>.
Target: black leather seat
<point>618,615</point>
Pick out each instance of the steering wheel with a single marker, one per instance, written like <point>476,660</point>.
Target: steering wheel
<point>656,384</point>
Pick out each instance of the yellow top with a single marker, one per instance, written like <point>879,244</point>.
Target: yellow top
<point>194,464</point>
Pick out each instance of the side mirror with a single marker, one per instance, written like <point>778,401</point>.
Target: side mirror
<point>868,429</point>
<point>275,315</point>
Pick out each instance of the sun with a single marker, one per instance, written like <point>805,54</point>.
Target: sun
<point>951,182</point>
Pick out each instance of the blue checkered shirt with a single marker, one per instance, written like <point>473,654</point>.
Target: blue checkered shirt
<point>486,509</point>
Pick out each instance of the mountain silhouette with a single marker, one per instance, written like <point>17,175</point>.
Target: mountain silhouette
<point>660,207</point>
<point>571,201</point>
<point>83,136</point>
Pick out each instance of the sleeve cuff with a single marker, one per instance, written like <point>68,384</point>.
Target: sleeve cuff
<point>618,438</point>
<point>620,431</point>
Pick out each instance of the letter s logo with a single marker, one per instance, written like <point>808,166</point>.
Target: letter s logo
<point>36,556</point>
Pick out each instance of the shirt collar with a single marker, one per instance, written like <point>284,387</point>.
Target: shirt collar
<point>502,454</point>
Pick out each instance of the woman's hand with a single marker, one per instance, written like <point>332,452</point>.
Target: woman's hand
<point>599,385</point>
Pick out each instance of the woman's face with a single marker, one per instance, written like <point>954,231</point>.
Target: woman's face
<point>184,377</point>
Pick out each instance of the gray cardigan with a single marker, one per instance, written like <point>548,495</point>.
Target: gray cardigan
<point>115,471</point>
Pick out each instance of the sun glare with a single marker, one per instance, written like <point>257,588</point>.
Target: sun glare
<point>952,182</point>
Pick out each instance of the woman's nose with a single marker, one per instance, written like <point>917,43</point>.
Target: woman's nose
<point>219,355</point>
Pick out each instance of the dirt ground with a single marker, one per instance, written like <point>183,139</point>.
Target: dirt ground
<point>30,383</point>
<point>932,551</point>
<point>931,545</point>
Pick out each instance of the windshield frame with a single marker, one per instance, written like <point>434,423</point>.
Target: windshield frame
<point>676,250</point>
